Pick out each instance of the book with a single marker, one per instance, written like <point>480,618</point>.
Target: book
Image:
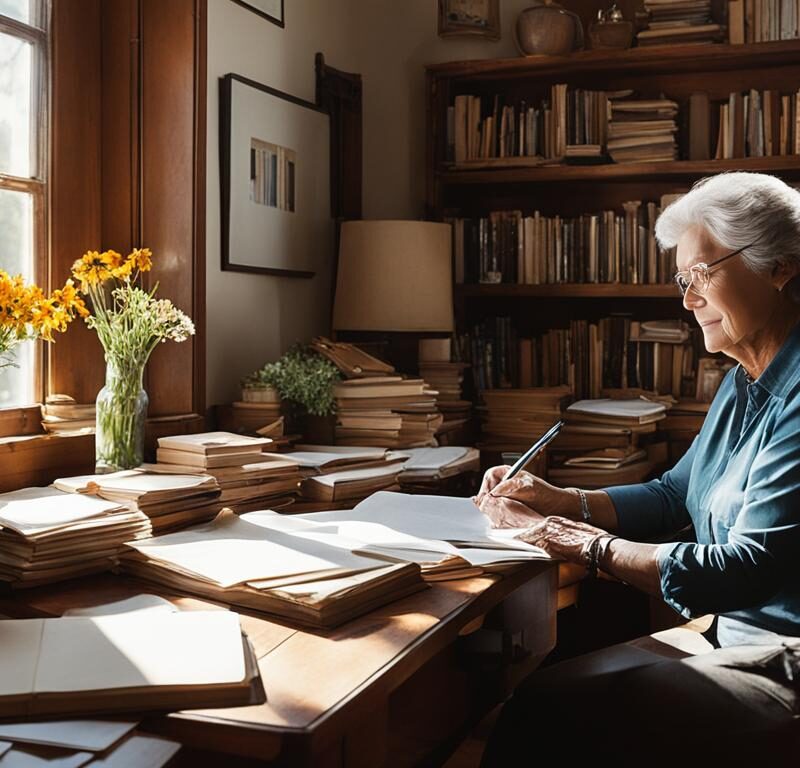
<point>80,665</point>
<point>199,461</point>
<point>213,443</point>
<point>636,411</point>
<point>350,483</point>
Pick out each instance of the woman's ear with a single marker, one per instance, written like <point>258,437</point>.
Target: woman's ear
<point>782,273</point>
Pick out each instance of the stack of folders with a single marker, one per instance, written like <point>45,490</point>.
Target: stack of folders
<point>253,562</point>
<point>171,501</point>
<point>132,661</point>
<point>642,130</point>
<point>425,466</point>
<point>609,425</point>
<point>333,476</point>
<point>386,411</point>
<point>47,535</point>
<point>271,481</point>
<point>513,418</point>
<point>78,743</point>
<point>210,450</point>
<point>62,415</point>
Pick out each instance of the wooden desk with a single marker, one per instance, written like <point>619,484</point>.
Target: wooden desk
<point>394,687</point>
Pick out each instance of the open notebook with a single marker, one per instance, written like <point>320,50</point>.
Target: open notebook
<point>80,665</point>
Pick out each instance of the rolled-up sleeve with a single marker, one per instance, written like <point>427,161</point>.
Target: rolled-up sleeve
<point>760,555</point>
<point>657,508</point>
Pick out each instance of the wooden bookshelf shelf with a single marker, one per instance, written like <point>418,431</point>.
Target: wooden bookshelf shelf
<point>661,59</point>
<point>786,165</point>
<point>567,291</point>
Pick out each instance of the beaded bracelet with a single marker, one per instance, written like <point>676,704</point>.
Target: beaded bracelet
<point>585,513</point>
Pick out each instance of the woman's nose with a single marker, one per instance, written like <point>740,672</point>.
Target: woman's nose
<point>692,299</point>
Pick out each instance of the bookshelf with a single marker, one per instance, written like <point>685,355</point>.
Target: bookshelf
<point>571,190</point>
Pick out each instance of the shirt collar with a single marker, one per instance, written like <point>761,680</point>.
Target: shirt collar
<point>783,371</point>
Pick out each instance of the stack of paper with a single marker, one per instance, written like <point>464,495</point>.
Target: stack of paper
<point>272,481</point>
<point>75,743</point>
<point>126,662</point>
<point>447,379</point>
<point>513,419</point>
<point>171,501</point>
<point>210,450</point>
<point>429,465</point>
<point>62,415</point>
<point>240,562</point>
<point>48,535</point>
<point>679,21</point>
<point>386,411</point>
<point>642,130</point>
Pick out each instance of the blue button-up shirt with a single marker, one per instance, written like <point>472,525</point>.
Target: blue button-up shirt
<point>739,486</point>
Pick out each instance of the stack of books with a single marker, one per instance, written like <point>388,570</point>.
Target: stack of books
<point>447,379</point>
<point>47,535</point>
<point>512,419</point>
<point>607,425</point>
<point>171,501</point>
<point>386,411</point>
<point>210,450</point>
<point>679,21</point>
<point>62,415</point>
<point>261,562</point>
<point>337,477</point>
<point>642,130</point>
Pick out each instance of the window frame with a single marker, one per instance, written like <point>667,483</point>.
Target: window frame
<point>37,185</point>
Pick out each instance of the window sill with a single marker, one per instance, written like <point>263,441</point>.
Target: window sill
<point>39,459</point>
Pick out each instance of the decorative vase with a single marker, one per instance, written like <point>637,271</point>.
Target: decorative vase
<point>548,29</point>
<point>121,415</point>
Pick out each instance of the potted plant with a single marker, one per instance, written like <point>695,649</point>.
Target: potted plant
<point>304,380</point>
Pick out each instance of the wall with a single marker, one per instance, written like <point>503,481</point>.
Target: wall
<point>254,318</point>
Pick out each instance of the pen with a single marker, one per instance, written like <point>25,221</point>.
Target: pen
<point>520,463</point>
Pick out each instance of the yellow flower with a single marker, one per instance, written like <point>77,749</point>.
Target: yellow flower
<point>141,258</point>
<point>124,270</point>
<point>94,268</point>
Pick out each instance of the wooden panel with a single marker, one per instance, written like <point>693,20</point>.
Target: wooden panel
<point>168,103</point>
<point>75,362</point>
<point>120,150</point>
<point>40,459</point>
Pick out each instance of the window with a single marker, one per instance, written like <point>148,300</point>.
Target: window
<point>23,167</point>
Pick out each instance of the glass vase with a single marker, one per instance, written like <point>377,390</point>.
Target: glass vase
<point>121,414</point>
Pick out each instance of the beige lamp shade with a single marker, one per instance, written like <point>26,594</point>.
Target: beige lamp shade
<point>394,276</point>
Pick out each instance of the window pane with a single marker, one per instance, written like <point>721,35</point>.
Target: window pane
<point>15,106</point>
<point>16,257</point>
<point>20,10</point>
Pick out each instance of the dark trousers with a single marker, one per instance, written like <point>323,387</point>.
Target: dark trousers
<point>627,705</point>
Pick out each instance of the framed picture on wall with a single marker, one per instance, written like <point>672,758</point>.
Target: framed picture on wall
<point>274,180</point>
<point>469,17</point>
<point>271,10</point>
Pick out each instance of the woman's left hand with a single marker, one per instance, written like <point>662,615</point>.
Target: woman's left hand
<point>563,538</point>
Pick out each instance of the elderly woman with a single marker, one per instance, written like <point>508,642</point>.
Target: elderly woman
<point>738,257</point>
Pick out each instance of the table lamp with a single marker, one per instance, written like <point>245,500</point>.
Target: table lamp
<point>394,276</point>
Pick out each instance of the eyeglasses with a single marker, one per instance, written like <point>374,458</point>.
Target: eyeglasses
<point>697,276</point>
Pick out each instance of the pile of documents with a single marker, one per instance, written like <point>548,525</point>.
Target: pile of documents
<point>78,743</point>
<point>447,379</point>
<point>271,481</point>
<point>343,473</point>
<point>386,411</point>
<point>210,450</point>
<point>256,561</point>
<point>47,535</point>
<point>679,21</point>
<point>598,446</point>
<point>431,465</point>
<point>170,500</point>
<point>512,419</point>
<point>62,415</point>
<point>642,130</point>
<point>122,662</point>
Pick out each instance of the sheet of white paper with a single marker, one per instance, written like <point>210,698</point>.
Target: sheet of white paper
<point>433,458</point>
<point>208,441</point>
<point>87,735</point>
<point>134,604</point>
<point>31,756</point>
<point>139,750</point>
<point>349,475</point>
<point>20,641</point>
<point>320,458</point>
<point>4,747</point>
<point>132,480</point>
<point>131,650</point>
<point>33,510</point>
<point>230,550</point>
<point>612,407</point>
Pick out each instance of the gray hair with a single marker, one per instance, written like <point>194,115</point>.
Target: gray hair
<point>739,209</point>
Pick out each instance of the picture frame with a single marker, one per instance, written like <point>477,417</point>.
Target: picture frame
<point>480,18</point>
<point>275,181</point>
<point>271,10</point>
